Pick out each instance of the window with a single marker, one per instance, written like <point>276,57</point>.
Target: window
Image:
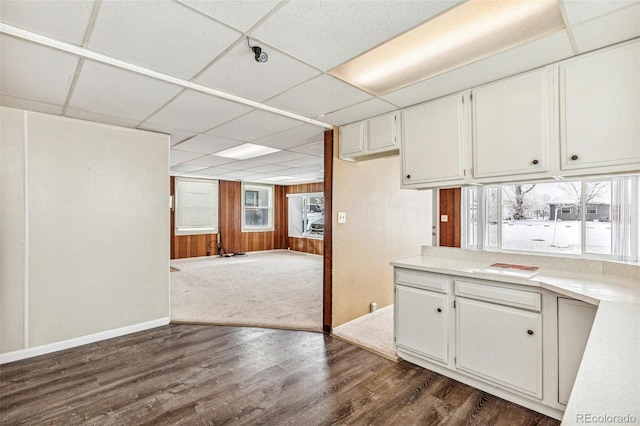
<point>196,206</point>
<point>594,218</point>
<point>257,207</point>
<point>306,215</point>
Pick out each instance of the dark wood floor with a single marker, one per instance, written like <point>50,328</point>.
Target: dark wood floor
<point>210,375</point>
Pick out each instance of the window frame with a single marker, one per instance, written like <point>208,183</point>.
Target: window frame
<point>178,201</point>
<point>304,202</point>
<point>251,187</point>
<point>481,242</point>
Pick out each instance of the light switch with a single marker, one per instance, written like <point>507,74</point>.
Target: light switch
<point>342,217</point>
<point>444,218</point>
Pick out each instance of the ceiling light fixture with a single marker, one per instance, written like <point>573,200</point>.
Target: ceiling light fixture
<point>475,30</point>
<point>260,56</point>
<point>245,151</point>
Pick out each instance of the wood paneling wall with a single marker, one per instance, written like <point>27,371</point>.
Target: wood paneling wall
<point>230,226</point>
<point>450,206</point>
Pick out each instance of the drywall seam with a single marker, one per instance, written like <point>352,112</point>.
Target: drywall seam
<point>25,287</point>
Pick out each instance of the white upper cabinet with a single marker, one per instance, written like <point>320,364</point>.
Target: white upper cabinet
<point>351,140</point>
<point>373,136</point>
<point>600,110</point>
<point>433,143</point>
<point>511,125</point>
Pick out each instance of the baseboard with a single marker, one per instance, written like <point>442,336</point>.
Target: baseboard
<point>79,341</point>
<point>365,316</point>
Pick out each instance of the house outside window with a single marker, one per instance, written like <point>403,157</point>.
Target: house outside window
<point>257,207</point>
<point>306,215</point>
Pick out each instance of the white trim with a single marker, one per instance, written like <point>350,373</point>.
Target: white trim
<point>25,287</point>
<point>95,56</point>
<point>83,340</point>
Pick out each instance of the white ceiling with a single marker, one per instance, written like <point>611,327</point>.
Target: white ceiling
<point>205,42</point>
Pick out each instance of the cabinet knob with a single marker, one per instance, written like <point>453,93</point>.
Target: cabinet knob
<point>408,176</point>
<point>439,310</point>
<point>530,332</point>
<point>574,157</point>
<point>535,162</point>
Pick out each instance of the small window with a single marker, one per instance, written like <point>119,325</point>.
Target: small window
<point>257,207</point>
<point>196,206</point>
<point>306,215</point>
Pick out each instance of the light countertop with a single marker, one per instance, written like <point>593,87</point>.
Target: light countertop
<point>608,380</point>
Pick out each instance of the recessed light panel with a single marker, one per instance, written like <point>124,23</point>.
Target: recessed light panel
<point>475,30</point>
<point>245,151</point>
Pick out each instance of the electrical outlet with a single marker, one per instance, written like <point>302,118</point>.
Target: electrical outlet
<point>373,307</point>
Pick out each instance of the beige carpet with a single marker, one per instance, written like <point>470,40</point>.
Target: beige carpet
<point>373,332</point>
<point>275,289</point>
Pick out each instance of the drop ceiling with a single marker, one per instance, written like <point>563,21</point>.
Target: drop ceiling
<point>205,43</point>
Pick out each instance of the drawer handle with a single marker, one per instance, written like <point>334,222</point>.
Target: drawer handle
<point>439,310</point>
<point>408,176</point>
<point>529,332</point>
<point>574,157</point>
<point>535,162</point>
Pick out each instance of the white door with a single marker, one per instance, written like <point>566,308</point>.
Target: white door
<point>421,324</point>
<point>511,126</point>
<point>382,133</point>
<point>500,344</point>
<point>351,139</point>
<point>433,141</point>
<point>600,109</point>
<point>575,319</point>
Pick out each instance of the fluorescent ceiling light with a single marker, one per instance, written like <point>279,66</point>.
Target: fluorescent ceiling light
<point>475,30</point>
<point>279,178</point>
<point>244,151</point>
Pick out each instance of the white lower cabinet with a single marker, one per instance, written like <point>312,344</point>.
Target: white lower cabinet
<point>421,322</point>
<point>575,319</point>
<point>501,344</point>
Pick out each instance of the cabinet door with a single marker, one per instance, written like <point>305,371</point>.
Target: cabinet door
<point>381,135</point>
<point>575,319</point>
<point>351,139</point>
<point>600,110</point>
<point>511,126</point>
<point>433,137</point>
<point>421,325</point>
<point>500,344</point>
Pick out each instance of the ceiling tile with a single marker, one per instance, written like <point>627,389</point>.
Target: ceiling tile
<point>62,20</point>
<point>177,135</point>
<point>100,118</point>
<point>255,80</point>
<point>268,168</point>
<point>243,164</point>
<point>255,125</point>
<point>615,27</point>
<point>212,161</point>
<point>364,110</point>
<point>178,157</point>
<point>315,148</point>
<point>240,175</point>
<point>280,157</point>
<point>328,33</point>
<point>197,112</point>
<point>520,59</point>
<point>19,103</point>
<point>119,93</point>
<point>306,161</point>
<point>578,11</point>
<point>160,35</point>
<point>206,144</point>
<point>321,95</point>
<point>36,73</point>
<point>241,15</point>
<point>301,135</point>
<point>214,171</point>
<point>187,168</point>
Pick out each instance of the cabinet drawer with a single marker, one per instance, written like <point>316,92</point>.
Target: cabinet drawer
<point>421,280</point>
<point>503,296</point>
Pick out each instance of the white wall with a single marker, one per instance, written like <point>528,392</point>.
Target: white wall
<point>384,223</point>
<point>96,229</point>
